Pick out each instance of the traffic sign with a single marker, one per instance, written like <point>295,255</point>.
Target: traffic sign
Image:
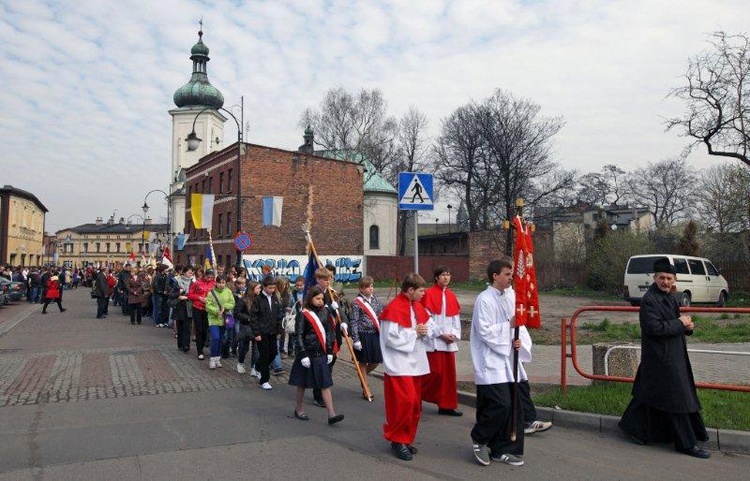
<point>242,241</point>
<point>415,191</point>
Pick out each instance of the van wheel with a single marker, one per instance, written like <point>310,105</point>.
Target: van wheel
<point>685,299</point>
<point>722,299</point>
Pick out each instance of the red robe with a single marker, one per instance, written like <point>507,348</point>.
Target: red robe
<point>440,385</point>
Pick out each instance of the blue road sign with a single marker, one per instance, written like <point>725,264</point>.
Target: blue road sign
<point>415,191</point>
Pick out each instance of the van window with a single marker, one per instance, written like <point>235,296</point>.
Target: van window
<point>712,271</point>
<point>641,265</point>
<point>696,267</point>
<point>680,264</point>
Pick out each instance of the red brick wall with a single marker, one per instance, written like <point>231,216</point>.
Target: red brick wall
<point>483,247</point>
<point>385,268</point>
<point>337,198</point>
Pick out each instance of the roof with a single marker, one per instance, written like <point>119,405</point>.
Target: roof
<point>115,228</point>
<point>9,189</point>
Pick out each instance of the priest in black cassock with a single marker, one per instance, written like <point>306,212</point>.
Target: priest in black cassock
<point>665,407</point>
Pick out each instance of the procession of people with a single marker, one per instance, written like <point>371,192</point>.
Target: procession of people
<point>414,338</point>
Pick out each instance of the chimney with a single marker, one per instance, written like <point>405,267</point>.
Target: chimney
<point>98,221</point>
<point>122,220</point>
<point>147,221</point>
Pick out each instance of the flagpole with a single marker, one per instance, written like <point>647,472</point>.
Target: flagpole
<point>366,393</point>
<point>211,246</point>
<point>516,331</point>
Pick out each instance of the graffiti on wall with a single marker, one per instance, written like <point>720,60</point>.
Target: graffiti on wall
<point>348,268</point>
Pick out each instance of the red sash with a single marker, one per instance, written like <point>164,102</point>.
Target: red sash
<point>312,318</point>
<point>368,310</point>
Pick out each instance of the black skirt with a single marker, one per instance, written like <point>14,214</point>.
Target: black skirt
<point>370,353</point>
<point>651,425</point>
<point>317,376</point>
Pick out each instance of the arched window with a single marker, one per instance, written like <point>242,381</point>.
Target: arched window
<point>374,237</point>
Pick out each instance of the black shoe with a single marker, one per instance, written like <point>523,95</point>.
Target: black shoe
<point>401,451</point>
<point>44,312</point>
<point>412,449</point>
<point>696,452</point>
<point>320,403</point>
<point>450,412</point>
<point>303,416</point>
<point>63,309</point>
<point>335,419</point>
<point>132,323</point>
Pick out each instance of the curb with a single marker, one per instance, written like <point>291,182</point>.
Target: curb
<point>724,440</point>
<point>17,319</point>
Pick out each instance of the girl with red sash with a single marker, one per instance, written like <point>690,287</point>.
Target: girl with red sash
<point>439,386</point>
<point>365,326</point>
<point>314,339</point>
<point>404,327</point>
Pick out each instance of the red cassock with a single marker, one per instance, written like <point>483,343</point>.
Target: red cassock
<point>402,391</point>
<point>439,386</point>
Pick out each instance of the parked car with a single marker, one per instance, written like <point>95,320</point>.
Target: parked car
<point>15,290</point>
<point>698,281</point>
<point>3,294</point>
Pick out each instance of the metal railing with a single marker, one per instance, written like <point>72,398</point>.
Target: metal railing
<point>570,326</point>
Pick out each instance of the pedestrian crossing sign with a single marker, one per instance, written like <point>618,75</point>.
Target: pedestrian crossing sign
<point>415,191</point>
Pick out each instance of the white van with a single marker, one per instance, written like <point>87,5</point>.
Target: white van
<point>697,279</point>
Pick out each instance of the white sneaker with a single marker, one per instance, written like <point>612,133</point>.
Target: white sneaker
<point>266,386</point>
<point>255,372</point>
<point>537,427</point>
<point>218,361</point>
<point>212,363</point>
<point>241,368</point>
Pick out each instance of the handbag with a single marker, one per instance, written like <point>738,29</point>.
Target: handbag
<point>290,319</point>
<point>229,320</point>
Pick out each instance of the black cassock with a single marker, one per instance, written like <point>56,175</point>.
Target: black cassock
<point>665,406</point>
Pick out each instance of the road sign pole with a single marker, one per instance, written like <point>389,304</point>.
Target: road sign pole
<point>416,242</point>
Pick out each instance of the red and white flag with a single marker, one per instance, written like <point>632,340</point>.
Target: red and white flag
<point>524,278</point>
<point>166,258</point>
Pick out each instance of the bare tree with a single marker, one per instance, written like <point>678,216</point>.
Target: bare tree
<point>724,196</point>
<point>412,145</point>
<point>460,155</point>
<point>666,187</point>
<point>519,154</point>
<point>356,123</point>
<point>716,94</point>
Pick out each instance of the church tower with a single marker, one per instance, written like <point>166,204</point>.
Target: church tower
<point>196,97</point>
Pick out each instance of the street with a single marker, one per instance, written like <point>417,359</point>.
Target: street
<point>82,398</point>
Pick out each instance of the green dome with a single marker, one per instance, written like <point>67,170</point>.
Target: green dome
<point>199,92</point>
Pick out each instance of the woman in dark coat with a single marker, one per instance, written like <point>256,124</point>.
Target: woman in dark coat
<point>665,406</point>
<point>136,287</point>
<point>314,339</point>
<point>52,294</point>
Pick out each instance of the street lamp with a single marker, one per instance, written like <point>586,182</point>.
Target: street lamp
<point>436,225</point>
<point>449,218</point>
<point>193,142</point>
<point>143,224</point>
<point>145,208</point>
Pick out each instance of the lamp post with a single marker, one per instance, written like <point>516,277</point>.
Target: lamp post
<point>145,208</point>
<point>449,218</point>
<point>143,230</point>
<point>193,142</point>
<point>436,225</point>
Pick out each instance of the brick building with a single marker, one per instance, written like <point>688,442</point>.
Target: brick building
<point>331,189</point>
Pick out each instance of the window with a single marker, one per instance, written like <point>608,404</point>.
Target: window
<point>107,246</point>
<point>221,182</point>
<point>229,180</point>
<point>221,225</point>
<point>680,265</point>
<point>374,237</point>
<point>203,186</point>
<point>229,223</point>
<point>210,185</point>
<point>696,267</point>
<point>85,247</point>
<point>189,189</point>
<point>712,271</point>
<point>98,247</point>
<point>117,247</point>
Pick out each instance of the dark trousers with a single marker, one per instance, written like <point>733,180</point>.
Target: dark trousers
<point>200,321</point>
<point>135,314</point>
<point>47,301</point>
<point>268,348</point>
<point>529,411</point>
<point>183,334</point>
<point>493,422</point>
<point>101,306</point>
<point>317,393</point>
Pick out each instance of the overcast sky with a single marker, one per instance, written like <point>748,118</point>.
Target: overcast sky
<point>86,84</point>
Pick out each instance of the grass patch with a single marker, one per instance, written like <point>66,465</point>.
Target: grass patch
<point>721,409</point>
<point>709,330</point>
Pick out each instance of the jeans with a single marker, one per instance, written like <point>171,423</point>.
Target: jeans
<point>33,293</point>
<point>217,336</point>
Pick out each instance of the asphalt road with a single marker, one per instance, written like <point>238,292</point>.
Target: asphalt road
<point>82,398</point>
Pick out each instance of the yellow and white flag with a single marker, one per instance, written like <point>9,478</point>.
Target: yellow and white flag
<point>202,210</point>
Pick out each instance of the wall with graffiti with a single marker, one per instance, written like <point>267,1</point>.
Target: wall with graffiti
<point>348,268</point>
